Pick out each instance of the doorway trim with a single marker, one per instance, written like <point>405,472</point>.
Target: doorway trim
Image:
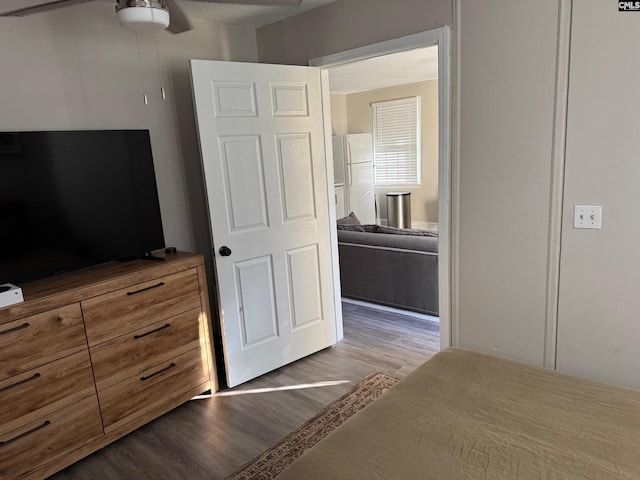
<point>442,38</point>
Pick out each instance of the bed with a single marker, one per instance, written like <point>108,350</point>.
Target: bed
<point>466,415</point>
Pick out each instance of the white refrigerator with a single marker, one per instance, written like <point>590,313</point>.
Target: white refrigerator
<point>353,167</point>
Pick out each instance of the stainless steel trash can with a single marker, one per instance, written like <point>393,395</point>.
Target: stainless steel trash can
<point>399,209</point>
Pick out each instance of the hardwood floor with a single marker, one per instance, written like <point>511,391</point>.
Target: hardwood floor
<point>209,438</point>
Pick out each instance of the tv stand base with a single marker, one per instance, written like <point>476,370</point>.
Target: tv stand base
<point>150,256</point>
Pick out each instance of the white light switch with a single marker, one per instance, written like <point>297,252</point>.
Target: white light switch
<point>587,216</point>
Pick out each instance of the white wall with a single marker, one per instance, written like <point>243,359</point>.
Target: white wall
<point>599,311</point>
<point>347,24</point>
<point>507,81</point>
<point>338,114</point>
<point>77,68</point>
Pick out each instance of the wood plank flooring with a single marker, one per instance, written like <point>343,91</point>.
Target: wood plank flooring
<point>210,438</point>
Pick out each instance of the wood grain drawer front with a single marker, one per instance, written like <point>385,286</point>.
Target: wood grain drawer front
<point>32,445</point>
<point>38,392</point>
<point>111,315</point>
<point>141,350</point>
<point>127,400</point>
<point>33,341</point>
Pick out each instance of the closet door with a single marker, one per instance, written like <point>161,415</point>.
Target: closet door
<point>599,307</point>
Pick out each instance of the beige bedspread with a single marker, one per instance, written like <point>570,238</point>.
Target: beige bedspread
<point>465,415</point>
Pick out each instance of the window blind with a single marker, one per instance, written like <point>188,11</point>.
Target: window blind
<point>396,141</point>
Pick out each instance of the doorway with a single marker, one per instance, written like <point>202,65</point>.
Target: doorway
<point>438,39</point>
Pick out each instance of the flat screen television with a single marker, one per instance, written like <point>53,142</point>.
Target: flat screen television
<point>73,199</point>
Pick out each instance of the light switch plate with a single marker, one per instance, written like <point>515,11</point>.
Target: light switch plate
<point>587,216</point>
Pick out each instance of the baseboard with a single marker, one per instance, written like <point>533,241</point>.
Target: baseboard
<point>430,226</point>
<point>384,308</point>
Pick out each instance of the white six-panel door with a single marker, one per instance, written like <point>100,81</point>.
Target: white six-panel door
<point>262,148</point>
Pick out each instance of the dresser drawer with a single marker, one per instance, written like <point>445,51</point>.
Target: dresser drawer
<point>33,341</point>
<point>161,385</point>
<point>38,392</point>
<point>133,354</point>
<point>129,309</point>
<point>47,438</point>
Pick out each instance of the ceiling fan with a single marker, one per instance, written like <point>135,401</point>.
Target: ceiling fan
<point>148,14</point>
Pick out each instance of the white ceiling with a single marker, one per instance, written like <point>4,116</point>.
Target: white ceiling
<point>413,66</point>
<point>247,15</point>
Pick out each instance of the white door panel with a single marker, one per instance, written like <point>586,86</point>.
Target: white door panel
<point>262,147</point>
<point>256,295</point>
<point>243,173</point>
<point>296,170</point>
<point>290,99</point>
<point>234,99</point>
<point>306,285</point>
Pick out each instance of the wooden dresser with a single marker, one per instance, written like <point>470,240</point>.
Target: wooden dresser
<point>94,354</point>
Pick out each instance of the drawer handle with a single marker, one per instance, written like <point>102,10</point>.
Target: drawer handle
<point>22,435</point>
<point>21,382</point>
<point>147,288</point>
<point>158,372</point>
<point>15,329</point>
<point>166,325</point>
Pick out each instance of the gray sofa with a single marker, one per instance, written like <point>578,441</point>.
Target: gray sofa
<point>389,266</point>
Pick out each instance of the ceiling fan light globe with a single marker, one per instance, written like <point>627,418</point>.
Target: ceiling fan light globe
<point>140,19</point>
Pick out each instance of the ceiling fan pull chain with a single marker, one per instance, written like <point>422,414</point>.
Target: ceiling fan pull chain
<point>160,70</point>
<point>144,93</point>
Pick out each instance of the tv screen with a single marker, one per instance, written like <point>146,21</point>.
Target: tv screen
<point>73,199</point>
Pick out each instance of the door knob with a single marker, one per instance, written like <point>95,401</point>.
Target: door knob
<point>225,251</point>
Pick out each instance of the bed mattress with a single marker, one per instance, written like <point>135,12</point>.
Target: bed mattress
<point>466,415</point>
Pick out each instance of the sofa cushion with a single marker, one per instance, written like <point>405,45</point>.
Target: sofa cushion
<point>405,231</point>
<point>370,228</point>
<point>418,243</point>
<point>350,219</point>
<point>352,228</point>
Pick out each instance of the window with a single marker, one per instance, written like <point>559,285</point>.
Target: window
<point>396,141</point>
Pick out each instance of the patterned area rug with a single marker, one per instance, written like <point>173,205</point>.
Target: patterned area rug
<point>283,453</point>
